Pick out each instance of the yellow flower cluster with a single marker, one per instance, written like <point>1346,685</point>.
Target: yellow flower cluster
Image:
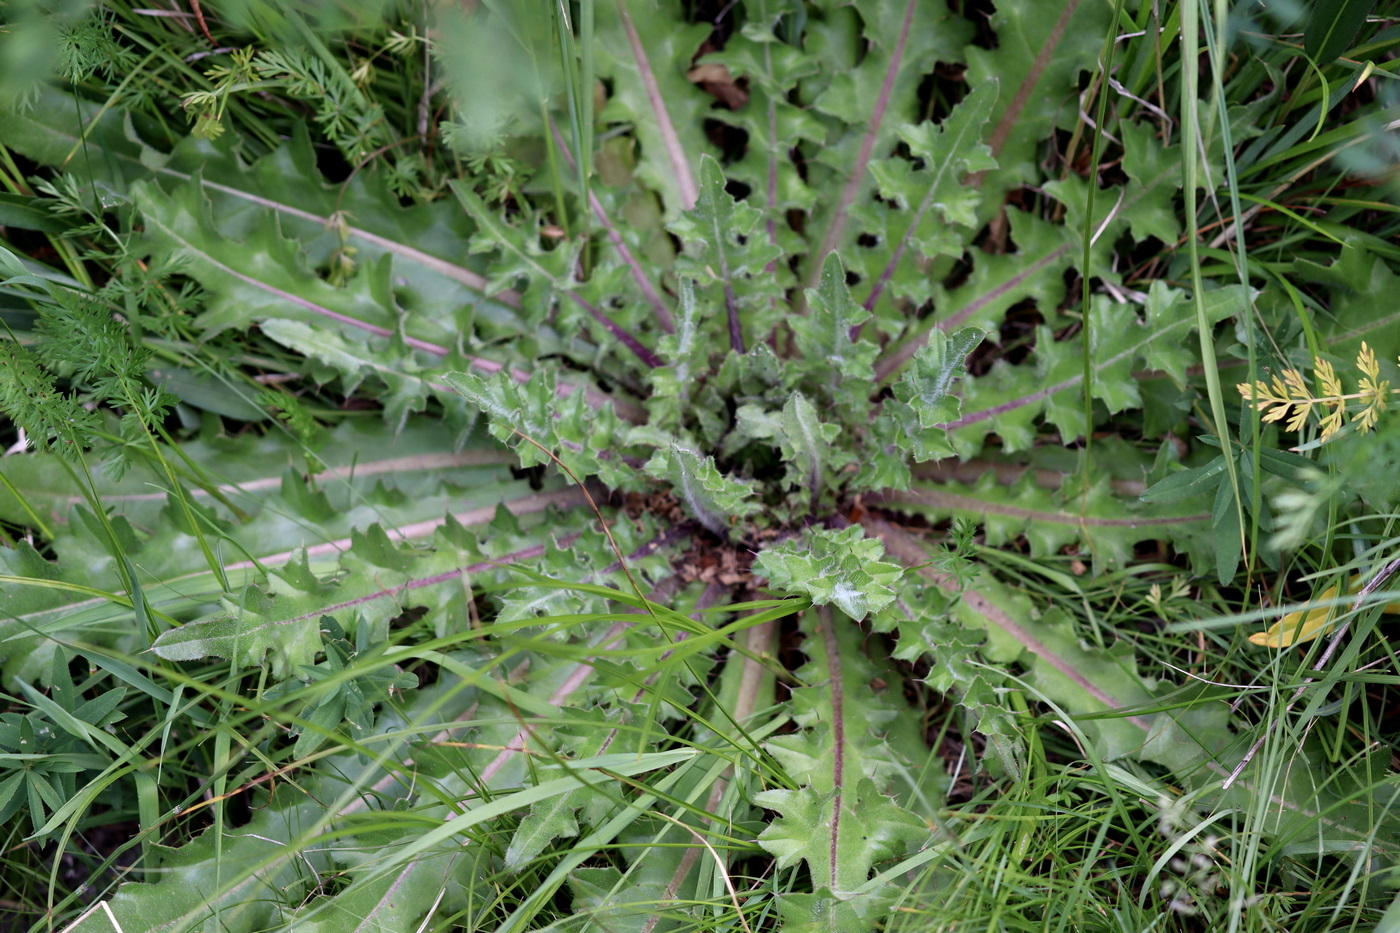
<point>1288,396</point>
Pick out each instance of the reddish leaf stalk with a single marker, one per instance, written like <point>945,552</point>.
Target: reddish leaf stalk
<point>888,365</point>
<point>680,165</point>
<point>648,358</point>
<point>856,180</point>
<point>663,314</point>
<point>838,730</point>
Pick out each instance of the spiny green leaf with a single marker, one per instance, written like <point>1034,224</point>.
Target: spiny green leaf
<point>521,256</point>
<point>1054,510</point>
<point>864,96</point>
<point>322,218</point>
<point>837,567</point>
<point>932,198</point>
<point>775,124</point>
<point>1041,49</point>
<point>956,667</point>
<point>582,439</point>
<point>854,746</point>
<point>271,276</point>
<point>282,618</point>
<point>282,621</point>
<point>807,441</point>
<point>949,149</point>
<point>1013,396</point>
<point>645,52</point>
<point>916,419</point>
<point>408,385</point>
<point>804,439</point>
<point>713,499</point>
<point>685,353</point>
<point>871,828</point>
<point>833,365</point>
<point>557,818</point>
<point>927,384</point>
<point>633,901</point>
<point>729,257</point>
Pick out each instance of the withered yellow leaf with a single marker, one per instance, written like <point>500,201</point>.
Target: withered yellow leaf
<point>1305,625</point>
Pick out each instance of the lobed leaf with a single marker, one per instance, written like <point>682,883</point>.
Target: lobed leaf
<point>841,568</point>
<point>714,500</point>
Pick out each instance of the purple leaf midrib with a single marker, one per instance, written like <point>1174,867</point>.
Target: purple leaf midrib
<point>856,179</point>
<point>838,732</point>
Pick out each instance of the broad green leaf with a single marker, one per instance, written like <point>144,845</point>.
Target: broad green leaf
<point>240,880</point>
<point>384,904</point>
<point>1332,27</point>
